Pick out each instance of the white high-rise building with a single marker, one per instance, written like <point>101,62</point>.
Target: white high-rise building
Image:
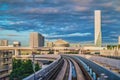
<point>36,40</point>
<point>119,40</point>
<point>98,35</point>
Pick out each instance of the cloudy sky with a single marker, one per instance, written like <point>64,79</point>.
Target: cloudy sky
<point>71,20</point>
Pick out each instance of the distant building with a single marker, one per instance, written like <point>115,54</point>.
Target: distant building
<point>36,40</point>
<point>3,42</point>
<point>49,44</point>
<point>61,43</point>
<point>98,35</point>
<point>16,44</point>
<point>119,40</point>
<point>93,48</point>
<point>10,45</point>
<point>5,64</point>
<point>75,45</point>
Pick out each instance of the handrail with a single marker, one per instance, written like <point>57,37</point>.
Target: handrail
<point>70,73</point>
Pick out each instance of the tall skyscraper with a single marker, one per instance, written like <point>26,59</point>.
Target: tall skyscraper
<point>119,40</point>
<point>36,40</point>
<point>98,35</point>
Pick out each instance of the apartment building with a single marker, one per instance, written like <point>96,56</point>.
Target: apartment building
<point>5,64</point>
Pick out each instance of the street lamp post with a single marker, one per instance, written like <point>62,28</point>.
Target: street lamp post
<point>33,64</point>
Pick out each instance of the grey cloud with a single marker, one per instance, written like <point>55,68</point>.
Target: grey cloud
<point>68,35</point>
<point>42,10</point>
<point>109,21</point>
<point>12,35</point>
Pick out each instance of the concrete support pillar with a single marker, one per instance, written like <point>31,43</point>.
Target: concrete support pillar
<point>116,52</point>
<point>55,52</point>
<point>80,51</point>
<point>17,52</point>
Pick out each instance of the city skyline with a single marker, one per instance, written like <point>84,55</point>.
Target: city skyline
<point>71,20</point>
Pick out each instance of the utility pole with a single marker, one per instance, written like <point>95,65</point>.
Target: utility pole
<point>33,64</point>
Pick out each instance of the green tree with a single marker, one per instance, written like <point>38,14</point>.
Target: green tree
<point>37,67</point>
<point>109,47</point>
<point>118,46</point>
<point>22,69</point>
<point>16,63</point>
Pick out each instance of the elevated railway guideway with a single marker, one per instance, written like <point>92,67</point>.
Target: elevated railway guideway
<point>96,71</point>
<point>48,73</point>
<point>74,70</point>
<point>64,68</point>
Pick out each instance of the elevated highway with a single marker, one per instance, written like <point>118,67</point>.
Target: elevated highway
<point>38,57</point>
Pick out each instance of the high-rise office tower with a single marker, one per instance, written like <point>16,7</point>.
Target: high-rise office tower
<point>119,40</point>
<point>98,35</point>
<point>36,40</point>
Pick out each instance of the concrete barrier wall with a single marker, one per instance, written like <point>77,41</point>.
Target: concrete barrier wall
<point>112,62</point>
<point>110,52</point>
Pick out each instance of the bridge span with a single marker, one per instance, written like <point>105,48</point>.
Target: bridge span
<point>38,57</point>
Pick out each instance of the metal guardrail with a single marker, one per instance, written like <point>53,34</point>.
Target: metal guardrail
<point>100,70</point>
<point>43,71</point>
<point>88,69</point>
